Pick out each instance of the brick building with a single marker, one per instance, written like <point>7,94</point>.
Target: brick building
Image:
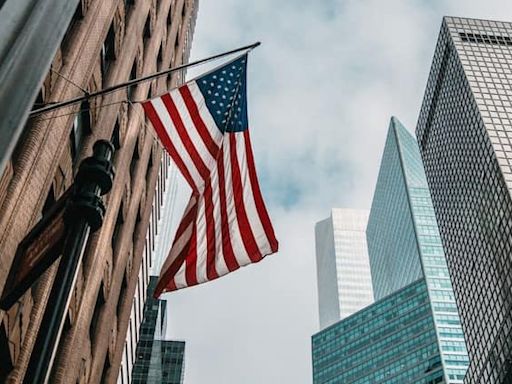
<point>107,42</point>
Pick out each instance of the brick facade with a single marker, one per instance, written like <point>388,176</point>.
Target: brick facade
<point>107,43</point>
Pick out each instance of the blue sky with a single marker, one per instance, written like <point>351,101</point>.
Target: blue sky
<point>322,88</point>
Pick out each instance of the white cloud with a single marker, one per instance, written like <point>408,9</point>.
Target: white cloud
<point>322,88</point>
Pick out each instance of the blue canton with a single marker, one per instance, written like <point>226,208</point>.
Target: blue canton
<point>225,93</point>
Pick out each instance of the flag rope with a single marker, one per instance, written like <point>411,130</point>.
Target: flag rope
<point>53,106</point>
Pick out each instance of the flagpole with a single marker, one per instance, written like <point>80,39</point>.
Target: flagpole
<point>88,96</point>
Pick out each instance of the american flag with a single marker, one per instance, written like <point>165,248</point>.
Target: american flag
<point>203,125</point>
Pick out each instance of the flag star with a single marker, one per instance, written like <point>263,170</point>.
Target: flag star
<point>221,104</point>
<point>214,76</point>
<point>223,72</point>
<point>213,101</point>
<point>218,112</point>
<point>221,79</point>
<point>219,86</point>
<point>204,81</point>
<point>211,84</point>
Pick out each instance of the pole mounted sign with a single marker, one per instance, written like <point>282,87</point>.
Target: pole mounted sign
<point>36,253</point>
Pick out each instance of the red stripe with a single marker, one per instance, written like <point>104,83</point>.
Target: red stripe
<point>211,272</point>
<point>166,141</point>
<point>227,248</point>
<point>165,281</point>
<point>190,103</point>
<point>189,216</point>
<point>185,138</point>
<point>243,223</point>
<point>258,198</point>
<point>191,259</point>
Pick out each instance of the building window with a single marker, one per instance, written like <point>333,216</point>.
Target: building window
<point>5,354</point>
<point>115,139</point>
<point>133,75</point>
<point>106,369</point>
<point>77,17</point>
<point>100,302</point>
<point>159,58</point>
<point>147,27</point>
<point>81,128</point>
<point>117,230</point>
<point>39,99</point>
<point>120,301</point>
<point>108,50</point>
<point>50,200</point>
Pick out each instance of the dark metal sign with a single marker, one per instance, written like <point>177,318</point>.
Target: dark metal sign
<point>36,253</point>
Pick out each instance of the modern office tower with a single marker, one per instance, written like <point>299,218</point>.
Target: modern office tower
<point>107,42</point>
<point>391,341</point>
<point>159,361</point>
<point>343,271</point>
<point>404,242</point>
<point>412,334</point>
<point>465,136</point>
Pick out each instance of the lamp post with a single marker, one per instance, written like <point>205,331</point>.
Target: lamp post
<point>84,215</point>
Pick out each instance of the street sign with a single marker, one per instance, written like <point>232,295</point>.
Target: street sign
<point>36,253</point>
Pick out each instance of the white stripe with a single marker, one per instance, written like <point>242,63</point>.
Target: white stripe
<point>180,279</point>
<point>220,263</point>
<point>182,241</point>
<point>208,120</point>
<point>201,242</point>
<point>234,232</point>
<point>250,205</point>
<point>165,117</point>
<point>192,130</point>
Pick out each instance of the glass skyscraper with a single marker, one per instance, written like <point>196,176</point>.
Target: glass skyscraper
<point>343,270</point>
<point>389,342</point>
<point>465,135</point>
<point>158,361</point>
<point>405,251</point>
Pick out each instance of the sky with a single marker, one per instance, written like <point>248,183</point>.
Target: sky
<point>321,90</point>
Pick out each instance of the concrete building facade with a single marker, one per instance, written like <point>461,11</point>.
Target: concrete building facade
<point>343,270</point>
<point>107,42</point>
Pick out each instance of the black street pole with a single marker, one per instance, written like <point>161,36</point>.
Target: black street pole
<point>84,215</point>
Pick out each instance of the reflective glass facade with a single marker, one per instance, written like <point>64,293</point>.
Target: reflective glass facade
<point>404,242</point>
<point>391,341</point>
<point>343,270</point>
<point>465,135</point>
<point>157,361</point>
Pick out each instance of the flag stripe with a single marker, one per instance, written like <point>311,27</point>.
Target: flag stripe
<point>203,131</point>
<point>243,223</point>
<point>239,251</point>
<point>166,141</point>
<point>191,260</point>
<point>227,247</point>
<point>258,198</point>
<point>171,131</point>
<point>211,273</point>
<point>185,138</point>
<point>249,203</point>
